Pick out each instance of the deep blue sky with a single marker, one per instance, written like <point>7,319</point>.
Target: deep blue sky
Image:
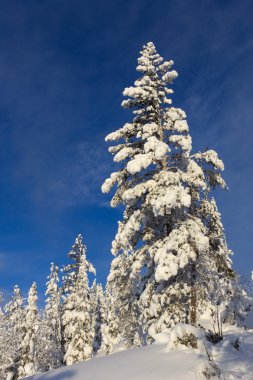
<point>63,66</point>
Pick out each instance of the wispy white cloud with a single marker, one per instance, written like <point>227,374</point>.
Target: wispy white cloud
<point>77,180</point>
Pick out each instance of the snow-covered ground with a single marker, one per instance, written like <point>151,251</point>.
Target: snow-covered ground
<point>149,363</point>
<point>156,362</point>
<point>235,365</point>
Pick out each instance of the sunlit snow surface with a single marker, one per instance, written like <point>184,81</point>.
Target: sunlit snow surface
<point>155,362</point>
<point>149,363</point>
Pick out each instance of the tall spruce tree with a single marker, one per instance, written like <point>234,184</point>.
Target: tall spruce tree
<point>165,190</point>
<point>76,317</point>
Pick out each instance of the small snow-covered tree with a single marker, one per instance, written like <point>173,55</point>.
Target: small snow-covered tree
<point>217,261</point>
<point>7,345</point>
<point>162,186</point>
<point>14,309</point>
<point>49,337</point>
<point>76,317</point>
<point>110,328</point>
<point>14,320</point>
<point>120,312</point>
<point>235,307</point>
<point>31,325</point>
<point>124,292</point>
<point>24,362</point>
<point>53,313</point>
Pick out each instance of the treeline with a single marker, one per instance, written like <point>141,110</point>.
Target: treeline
<point>68,330</point>
<point>80,321</point>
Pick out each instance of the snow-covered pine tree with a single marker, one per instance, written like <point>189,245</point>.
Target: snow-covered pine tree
<point>13,322</point>
<point>24,362</point>
<point>162,187</point>
<point>7,346</point>
<point>5,354</point>
<point>124,291</point>
<point>76,317</point>
<point>53,314</point>
<point>219,292</point>
<point>49,339</point>
<point>14,309</point>
<point>111,325</point>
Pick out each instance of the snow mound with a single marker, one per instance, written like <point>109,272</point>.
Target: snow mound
<point>149,363</point>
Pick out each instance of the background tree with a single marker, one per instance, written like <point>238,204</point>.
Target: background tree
<point>49,335</point>
<point>7,345</point>
<point>110,327</point>
<point>76,317</point>
<point>13,321</point>
<point>24,362</point>
<point>125,292</point>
